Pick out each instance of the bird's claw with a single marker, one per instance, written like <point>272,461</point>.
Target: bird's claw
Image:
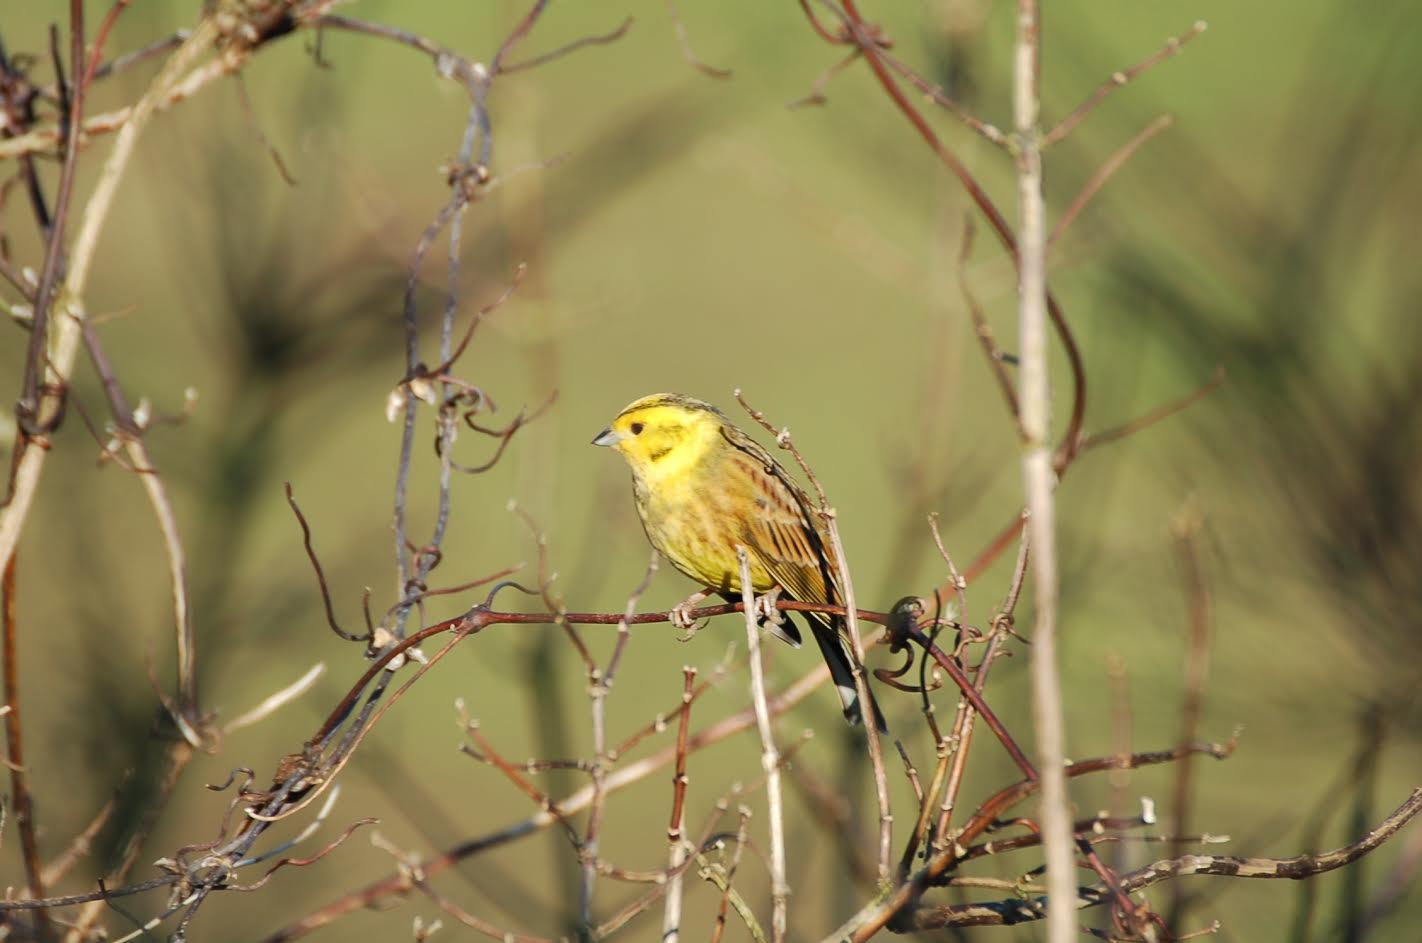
<point>765,610</point>
<point>680,614</point>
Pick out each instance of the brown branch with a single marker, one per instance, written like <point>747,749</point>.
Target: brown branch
<point>79,846</point>
<point>22,800</point>
<point>997,360</point>
<point>689,54</point>
<point>476,923</point>
<point>833,38</point>
<point>600,682</point>
<point>898,907</point>
<point>839,564</point>
<point>1004,538</point>
<point>990,133</point>
<point>1104,173</point>
<point>596,39</point>
<point>320,574</point>
<point>1298,867</point>
<point>975,698</point>
<point>720,926</point>
<point>399,883</point>
<point>870,45</point>
<point>1155,415</point>
<point>964,723</point>
<point>1117,79</point>
<point>101,37</point>
<point>27,411</point>
<point>1197,662</point>
<point>676,855</point>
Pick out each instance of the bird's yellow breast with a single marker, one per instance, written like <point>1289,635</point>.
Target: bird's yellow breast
<point>694,513</point>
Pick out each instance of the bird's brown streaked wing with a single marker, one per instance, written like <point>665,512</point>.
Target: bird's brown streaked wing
<point>787,542</point>
<point>782,534</point>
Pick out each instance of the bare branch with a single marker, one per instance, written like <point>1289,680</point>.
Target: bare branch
<point>1104,173</point>
<point>1117,79</point>
<point>689,54</point>
<point>769,757</point>
<point>19,776</point>
<point>275,701</point>
<point>1294,868</point>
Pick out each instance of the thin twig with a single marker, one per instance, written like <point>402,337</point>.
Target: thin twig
<point>1155,415</point>
<point>851,631</point>
<point>625,775</point>
<point>1294,868</point>
<point>596,39</point>
<point>66,335</point>
<point>728,886</point>
<point>600,682</point>
<point>896,906</point>
<point>1117,79</point>
<point>175,92</point>
<point>22,801</point>
<point>1104,173</point>
<point>997,360</point>
<point>101,37</point>
<point>689,54</point>
<point>961,737</point>
<point>275,701</point>
<point>988,132</point>
<point>1197,662</point>
<point>79,846</point>
<point>769,757</point>
<point>30,420</point>
<point>676,855</point>
<point>871,45</point>
<point>320,573</point>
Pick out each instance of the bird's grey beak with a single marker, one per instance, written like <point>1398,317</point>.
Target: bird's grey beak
<point>609,437</point>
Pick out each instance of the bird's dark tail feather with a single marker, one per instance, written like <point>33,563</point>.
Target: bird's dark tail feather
<point>835,649</point>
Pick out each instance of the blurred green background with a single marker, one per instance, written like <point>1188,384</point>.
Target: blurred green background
<point>690,234</point>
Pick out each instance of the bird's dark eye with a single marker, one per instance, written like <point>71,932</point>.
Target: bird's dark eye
<point>636,428</point>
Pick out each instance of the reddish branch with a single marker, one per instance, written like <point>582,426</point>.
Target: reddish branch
<point>19,776</point>
<point>1295,868</point>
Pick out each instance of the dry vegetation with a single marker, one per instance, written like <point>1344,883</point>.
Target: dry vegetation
<point>920,854</point>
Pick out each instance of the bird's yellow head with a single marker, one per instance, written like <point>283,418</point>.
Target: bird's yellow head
<point>663,434</point>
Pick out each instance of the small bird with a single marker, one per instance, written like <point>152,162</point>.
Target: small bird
<point>702,487</point>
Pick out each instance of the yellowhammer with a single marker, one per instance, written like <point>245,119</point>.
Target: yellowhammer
<point>702,487</point>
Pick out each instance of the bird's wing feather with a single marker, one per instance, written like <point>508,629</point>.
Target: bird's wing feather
<point>782,533</point>
<point>784,537</point>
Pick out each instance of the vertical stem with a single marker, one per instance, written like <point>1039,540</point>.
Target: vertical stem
<point>64,332</point>
<point>671,917</point>
<point>19,778</point>
<point>588,853</point>
<point>861,684</point>
<point>1197,666</point>
<point>1034,398</point>
<point>769,758</point>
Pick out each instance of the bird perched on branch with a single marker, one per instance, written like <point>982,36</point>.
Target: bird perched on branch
<point>702,488</point>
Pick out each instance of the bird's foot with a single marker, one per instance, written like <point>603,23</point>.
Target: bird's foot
<point>680,614</point>
<point>765,610</point>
